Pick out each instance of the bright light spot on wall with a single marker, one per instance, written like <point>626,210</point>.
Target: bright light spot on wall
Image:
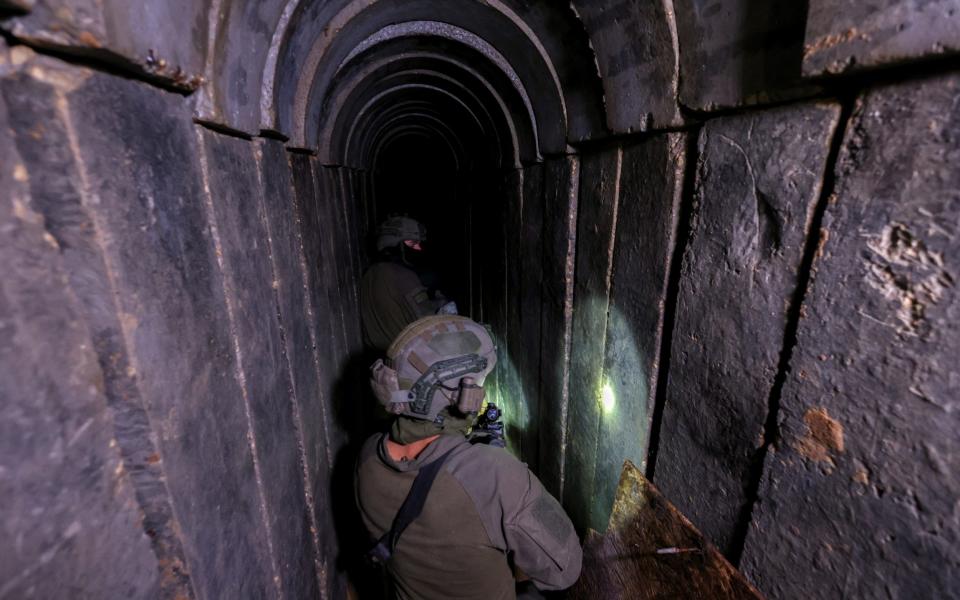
<point>608,400</point>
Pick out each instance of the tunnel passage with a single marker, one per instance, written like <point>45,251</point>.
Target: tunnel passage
<point>712,239</point>
<point>442,126</point>
<point>434,126</point>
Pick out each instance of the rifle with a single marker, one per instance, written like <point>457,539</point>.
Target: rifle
<point>489,429</point>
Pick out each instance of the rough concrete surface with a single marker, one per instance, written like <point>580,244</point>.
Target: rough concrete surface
<point>163,40</point>
<point>243,246</point>
<point>319,264</point>
<point>124,199</point>
<point>330,253</point>
<point>284,230</point>
<point>317,267</point>
<point>596,231</point>
<point>847,35</point>
<point>234,71</point>
<point>354,366</point>
<point>530,275</point>
<point>560,192</point>
<point>329,343</point>
<point>637,54</point>
<point>140,157</point>
<point>43,132</point>
<point>651,185</point>
<point>860,497</point>
<point>330,212</point>
<point>68,502</point>
<point>739,52</point>
<point>759,179</point>
<point>512,346</point>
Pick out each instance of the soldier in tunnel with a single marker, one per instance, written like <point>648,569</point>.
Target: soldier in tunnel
<point>470,514</point>
<point>397,290</point>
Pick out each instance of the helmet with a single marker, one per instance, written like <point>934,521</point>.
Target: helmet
<point>395,230</point>
<point>436,362</point>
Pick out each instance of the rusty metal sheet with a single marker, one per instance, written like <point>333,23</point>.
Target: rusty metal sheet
<point>650,550</point>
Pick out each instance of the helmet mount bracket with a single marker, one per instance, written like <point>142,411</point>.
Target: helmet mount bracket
<point>439,372</point>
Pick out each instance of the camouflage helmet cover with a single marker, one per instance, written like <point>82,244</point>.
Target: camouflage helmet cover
<point>426,363</point>
<point>395,230</point>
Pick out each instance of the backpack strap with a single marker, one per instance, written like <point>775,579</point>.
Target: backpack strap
<point>411,508</point>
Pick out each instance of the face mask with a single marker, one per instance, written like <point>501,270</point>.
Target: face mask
<point>414,258</point>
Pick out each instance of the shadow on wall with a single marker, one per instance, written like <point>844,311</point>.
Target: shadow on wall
<point>772,46</point>
<point>354,409</point>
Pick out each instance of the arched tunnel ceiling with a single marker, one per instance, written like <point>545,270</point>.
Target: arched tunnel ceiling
<point>388,112</point>
<point>550,71</point>
<point>492,96</point>
<point>502,123</point>
<point>269,65</point>
<point>433,33</point>
<point>437,135</point>
<point>265,64</point>
<point>509,122</point>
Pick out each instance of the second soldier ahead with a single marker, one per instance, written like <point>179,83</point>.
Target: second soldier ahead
<point>393,292</point>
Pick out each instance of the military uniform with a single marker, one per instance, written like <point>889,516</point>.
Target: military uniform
<point>392,294</point>
<point>484,506</point>
<point>392,297</point>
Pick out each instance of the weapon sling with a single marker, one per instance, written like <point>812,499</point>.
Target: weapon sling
<point>410,509</point>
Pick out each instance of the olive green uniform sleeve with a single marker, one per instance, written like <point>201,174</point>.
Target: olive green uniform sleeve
<point>520,516</point>
<point>542,538</point>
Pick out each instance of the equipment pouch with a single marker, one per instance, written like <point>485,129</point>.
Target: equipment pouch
<point>471,396</point>
<point>383,382</point>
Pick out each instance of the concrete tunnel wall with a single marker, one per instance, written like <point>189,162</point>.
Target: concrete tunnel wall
<point>718,240</point>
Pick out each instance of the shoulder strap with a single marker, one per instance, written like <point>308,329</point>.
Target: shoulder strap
<point>410,509</point>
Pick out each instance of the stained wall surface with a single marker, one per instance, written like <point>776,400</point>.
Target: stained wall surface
<point>715,238</point>
<point>212,448</point>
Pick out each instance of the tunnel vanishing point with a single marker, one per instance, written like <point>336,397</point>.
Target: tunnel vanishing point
<point>717,238</point>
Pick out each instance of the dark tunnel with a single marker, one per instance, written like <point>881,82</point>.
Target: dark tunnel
<point>715,243</point>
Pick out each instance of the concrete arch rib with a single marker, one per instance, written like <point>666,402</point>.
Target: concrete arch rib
<point>422,78</point>
<point>268,111</point>
<point>402,135</point>
<point>380,143</point>
<point>456,34</point>
<point>398,115</point>
<point>483,118</point>
<point>494,124</point>
<point>241,34</point>
<point>359,123</point>
<point>318,38</point>
<point>405,88</point>
<point>363,72</point>
<point>385,125</point>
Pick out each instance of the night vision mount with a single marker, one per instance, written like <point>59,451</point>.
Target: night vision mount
<point>454,368</point>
